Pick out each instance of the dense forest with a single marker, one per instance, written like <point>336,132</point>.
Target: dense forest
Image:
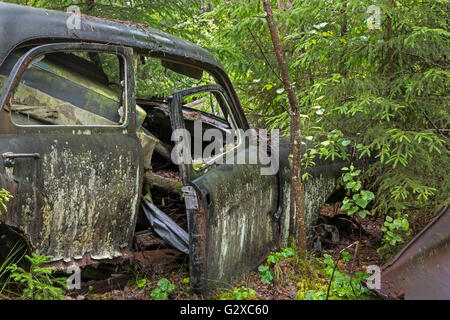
<point>371,80</point>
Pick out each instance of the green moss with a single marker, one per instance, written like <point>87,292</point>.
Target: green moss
<point>238,293</point>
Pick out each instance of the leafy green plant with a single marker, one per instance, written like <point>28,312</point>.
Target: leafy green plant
<point>281,255</point>
<point>335,146</point>
<point>360,198</point>
<point>265,273</point>
<point>325,281</point>
<point>378,93</point>
<point>141,283</point>
<point>395,232</point>
<point>342,286</point>
<point>38,283</point>
<point>314,295</point>
<point>5,196</point>
<point>165,287</point>
<point>239,293</point>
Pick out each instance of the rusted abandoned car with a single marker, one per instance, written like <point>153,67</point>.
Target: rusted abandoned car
<point>89,164</point>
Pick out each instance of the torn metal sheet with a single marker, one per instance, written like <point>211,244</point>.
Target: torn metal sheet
<point>165,227</point>
<point>422,269</point>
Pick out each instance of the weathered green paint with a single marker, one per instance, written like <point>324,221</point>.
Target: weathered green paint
<point>241,228</point>
<point>80,194</point>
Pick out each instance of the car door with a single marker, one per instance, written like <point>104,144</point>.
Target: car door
<point>232,207</point>
<point>75,186</point>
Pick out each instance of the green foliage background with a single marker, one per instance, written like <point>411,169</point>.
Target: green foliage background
<point>382,92</point>
<point>388,96</point>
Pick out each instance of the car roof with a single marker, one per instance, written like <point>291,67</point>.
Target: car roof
<point>21,24</point>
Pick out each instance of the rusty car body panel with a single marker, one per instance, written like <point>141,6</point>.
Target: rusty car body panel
<point>78,201</point>
<point>61,191</point>
<point>421,270</point>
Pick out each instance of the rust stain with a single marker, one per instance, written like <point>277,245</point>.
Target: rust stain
<point>422,269</point>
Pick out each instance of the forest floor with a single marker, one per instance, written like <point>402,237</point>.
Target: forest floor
<point>293,277</point>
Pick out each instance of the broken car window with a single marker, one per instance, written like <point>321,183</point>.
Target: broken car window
<point>214,122</point>
<point>82,89</point>
<point>158,78</point>
<point>205,102</point>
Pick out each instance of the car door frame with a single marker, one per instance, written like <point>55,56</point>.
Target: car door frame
<point>127,128</point>
<point>197,199</point>
<point>21,65</point>
<point>177,120</point>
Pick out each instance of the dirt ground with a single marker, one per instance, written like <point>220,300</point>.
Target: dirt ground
<point>367,231</point>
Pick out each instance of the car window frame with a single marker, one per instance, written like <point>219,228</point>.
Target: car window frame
<point>127,55</point>
<point>177,122</point>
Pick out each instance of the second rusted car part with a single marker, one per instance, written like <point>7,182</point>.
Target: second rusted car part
<point>422,269</point>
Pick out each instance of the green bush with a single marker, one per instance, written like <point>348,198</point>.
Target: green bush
<point>396,230</point>
<point>360,198</point>
<point>380,93</point>
<point>265,273</point>
<point>5,196</point>
<point>165,287</point>
<point>342,286</point>
<point>38,283</point>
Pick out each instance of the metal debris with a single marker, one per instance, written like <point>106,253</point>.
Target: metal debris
<point>165,227</point>
<point>422,269</point>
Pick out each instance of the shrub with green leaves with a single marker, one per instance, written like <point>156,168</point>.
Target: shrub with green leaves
<point>285,253</point>
<point>141,283</point>
<point>396,230</point>
<point>359,198</point>
<point>316,287</point>
<point>343,286</point>
<point>165,287</point>
<point>364,92</point>
<point>5,196</point>
<point>265,273</point>
<point>38,283</point>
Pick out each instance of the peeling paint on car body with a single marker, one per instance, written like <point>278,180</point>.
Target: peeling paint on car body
<point>96,217</point>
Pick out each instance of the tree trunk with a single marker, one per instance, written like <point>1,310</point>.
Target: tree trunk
<point>296,203</point>
<point>168,184</point>
<point>90,5</point>
<point>389,43</point>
